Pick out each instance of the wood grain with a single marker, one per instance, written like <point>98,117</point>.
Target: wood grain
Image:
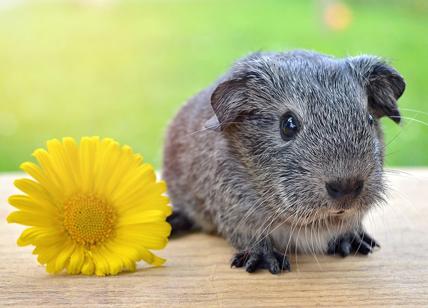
<point>198,273</point>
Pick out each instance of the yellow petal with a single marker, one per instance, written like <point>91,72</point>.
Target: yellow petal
<point>87,153</point>
<point>63,257</point>
<point>125,165</point>
<point>147,240</point>
<point>50,267</point>
<point>142,218</point>
<point>136,180</point>
<point>152,236</point>
<point>61,166</point>
<point>115,261</point>
<point>34,189</point>
<point>28,204</point>
<point>30,219</point>
<point>54,237</point>
<point>48,254</point>
<point>36,173</point>
<point>143,253</point>
<point>71,153</point>
<point>48,167</point>
<point>120,248</point>
<point>76,261</point>
<point>107,162</point>
<point>146,203</point>
<point>102,266</point>
<point>88,266</point>
<point>30,234</point>
<point>151,258</point>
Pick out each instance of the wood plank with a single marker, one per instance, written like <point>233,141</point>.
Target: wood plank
<point>198,271</point>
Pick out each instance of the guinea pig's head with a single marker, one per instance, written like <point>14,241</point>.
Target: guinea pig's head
<point>305,127</point>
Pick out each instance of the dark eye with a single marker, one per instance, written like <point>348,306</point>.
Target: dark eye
<point>371,120</point>
<point>289,126</point>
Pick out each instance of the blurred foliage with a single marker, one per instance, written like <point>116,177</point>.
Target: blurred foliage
<point>124,68</point>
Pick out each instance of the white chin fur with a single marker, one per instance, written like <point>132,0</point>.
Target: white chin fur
<point>305,239</point>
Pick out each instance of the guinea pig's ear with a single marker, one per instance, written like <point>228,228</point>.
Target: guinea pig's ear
<point>384,86</point>
<point>226,101</point>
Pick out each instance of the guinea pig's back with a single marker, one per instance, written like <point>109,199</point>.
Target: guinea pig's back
<point>189,161</point>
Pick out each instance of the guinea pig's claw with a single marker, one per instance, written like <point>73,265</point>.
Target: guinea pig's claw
<point>272,261</point>
<point>368,239</point>
<point>356,242</point>
<point>238,260</point>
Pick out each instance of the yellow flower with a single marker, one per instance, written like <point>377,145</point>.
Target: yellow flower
<point>93,208</point>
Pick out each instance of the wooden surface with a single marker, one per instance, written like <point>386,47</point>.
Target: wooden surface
<point>198,272</point>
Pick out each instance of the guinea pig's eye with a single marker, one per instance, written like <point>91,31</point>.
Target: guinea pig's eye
<point>289,126</point>
<point>371,120</point>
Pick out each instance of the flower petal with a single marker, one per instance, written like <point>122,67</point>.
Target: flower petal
<point>115,261</point>
<point>150,235</point>
<point>63,257</point>
<point>142,217</point>
<point>87,153</point>
<point>102,266</point>
<point>48,254</point>
<point>88,266</point>
<point>61,166</point>
<point>76,261</point>
<point>151,258</point>
<point>48,167</point>
<point>29,219</point>
<point>34,189</point>
<point>36,173</point>
<point>28,204</point>
<point>30,235</point>
<point>148,241</point>
<point>135,181</point>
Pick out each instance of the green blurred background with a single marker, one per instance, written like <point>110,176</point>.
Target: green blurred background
<point>123,68</point>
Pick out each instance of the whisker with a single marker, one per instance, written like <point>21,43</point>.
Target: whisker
<point>397,172</point>
<point>313,249</point>
<point>209,129</point>
<point>259,238</point>
<point>266,226</point>
<point>414,110</point>
<point>411,119</point>
<point>295,247</point>
<point>393,139</point>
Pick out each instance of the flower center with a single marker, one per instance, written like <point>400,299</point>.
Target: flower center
<point>89,219</point>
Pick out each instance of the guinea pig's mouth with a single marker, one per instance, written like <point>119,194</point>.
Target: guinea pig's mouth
<point>337,216</point>
<point>337,212</point>
<point>331,216</point>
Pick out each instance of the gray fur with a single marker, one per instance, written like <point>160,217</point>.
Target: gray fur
<point>229,171</point>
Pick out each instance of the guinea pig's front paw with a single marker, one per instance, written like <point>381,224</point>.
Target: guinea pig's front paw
<point>252,261</point>
<point>353,242</point>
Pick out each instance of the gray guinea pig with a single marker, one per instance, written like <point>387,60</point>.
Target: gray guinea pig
<point>283,154</point>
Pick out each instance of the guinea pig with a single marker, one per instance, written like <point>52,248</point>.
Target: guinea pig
<point>283,153</point>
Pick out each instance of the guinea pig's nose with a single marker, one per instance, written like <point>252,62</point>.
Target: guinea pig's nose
<point>344,187</point>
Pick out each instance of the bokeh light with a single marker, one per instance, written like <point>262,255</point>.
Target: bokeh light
<point>337,16</point>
